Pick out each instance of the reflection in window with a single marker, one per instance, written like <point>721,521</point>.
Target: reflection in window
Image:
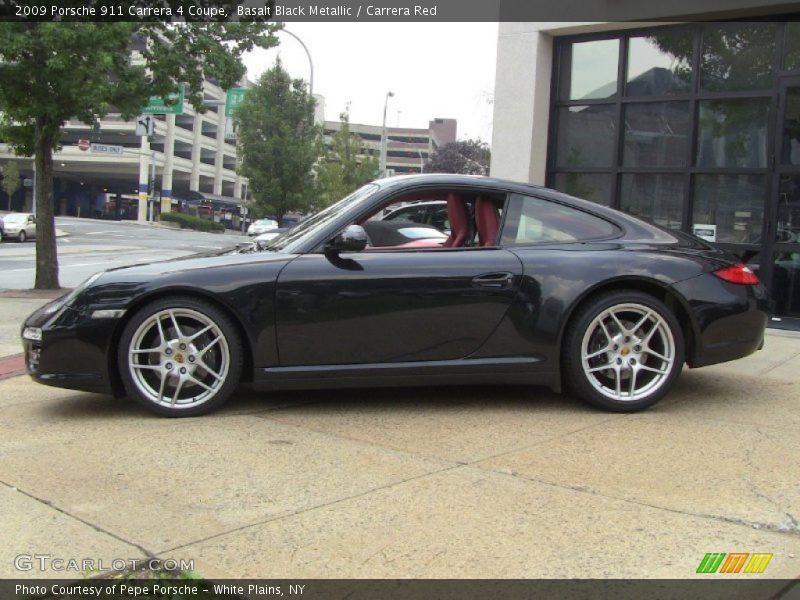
<point>791,57</point>
<point>586,136</point>
<point>738,57</point>
<point>733,203</point>
<point>788,229</point>
<point>790,154</point>
<point>656,134</point>
<point>589,186</point>
<point>733,133</point>
<point>786,284</point>
<point>660,64</point>
<point>657,198</point>
<point>589,70</point>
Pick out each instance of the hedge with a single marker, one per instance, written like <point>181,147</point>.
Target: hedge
<point>192,222</point>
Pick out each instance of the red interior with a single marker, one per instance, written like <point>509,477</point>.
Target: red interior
<point>487,221</point>
<point>459,221</point>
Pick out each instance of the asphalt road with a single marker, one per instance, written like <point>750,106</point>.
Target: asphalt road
<point>92,245</point>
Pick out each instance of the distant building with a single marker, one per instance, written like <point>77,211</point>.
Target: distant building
<point>407,149</point>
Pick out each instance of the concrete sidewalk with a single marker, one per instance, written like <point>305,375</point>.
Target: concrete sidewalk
<point>434,482</point>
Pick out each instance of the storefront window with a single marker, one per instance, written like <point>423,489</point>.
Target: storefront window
<point>733,133</point>
<point>738,57</point>
<point>657,198</point>
<point>732,204</point>
<point>791,57</point>
<point>660,64</point>
<point>791,128</point>
<point>788,227</point>
<point>589,186</point>
<point>586,136</point>
<point>656,134</point>
<point>589,70</point>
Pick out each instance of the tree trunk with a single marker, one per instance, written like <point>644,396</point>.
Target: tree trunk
<point>46,252</point>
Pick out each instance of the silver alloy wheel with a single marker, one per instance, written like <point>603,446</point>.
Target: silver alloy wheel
<point>178,358</point>
<point>628,352</point>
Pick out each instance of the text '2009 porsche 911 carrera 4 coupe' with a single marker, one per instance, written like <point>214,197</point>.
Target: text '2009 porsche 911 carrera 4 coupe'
<point>525,285</point>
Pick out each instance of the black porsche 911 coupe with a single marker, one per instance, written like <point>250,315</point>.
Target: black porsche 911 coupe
<point>527,286</point>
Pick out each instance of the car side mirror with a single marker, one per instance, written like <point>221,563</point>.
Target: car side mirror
<point>352,239</point>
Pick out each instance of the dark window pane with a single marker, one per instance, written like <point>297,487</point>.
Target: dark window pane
<point>786,284</point>
<point>586,136</point>
<point>589,186</point>
<point>788,227</point>
<point>738,57</point>
<point>791,59</point>
<point>657,198</point>
<point>660,64</point>
<point>532,220</point>
<point>791,128</point>
<point>733,133</point>
<point>657,134</point>
<point>733,204</point>
<point>589,70</point>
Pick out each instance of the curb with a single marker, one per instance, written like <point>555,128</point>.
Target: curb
<point>12,366</point>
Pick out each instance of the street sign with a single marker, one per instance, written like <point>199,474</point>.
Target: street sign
<point>106,149</point>
<point>171,105</point>
<point>83,145</point>
<point>233,99</point>
<point>145,125</point>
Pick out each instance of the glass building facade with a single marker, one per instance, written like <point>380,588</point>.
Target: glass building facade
<point>693,127</point>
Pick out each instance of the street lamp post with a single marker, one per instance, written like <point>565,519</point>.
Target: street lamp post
<point>382,165</point>
<point>310,64</point>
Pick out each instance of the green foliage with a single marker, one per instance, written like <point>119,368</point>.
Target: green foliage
<point>277,142</point>
<point>51,72</point>
<point>344,167</point>
<point>192,222</point>
<point>468,157</point>
<point>11,178</point>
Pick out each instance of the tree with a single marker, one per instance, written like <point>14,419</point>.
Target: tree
<point>10,179</point>
<point>468,157</point>
<point>345,166</point>
<point>54,71</point>
<point>277,142</point>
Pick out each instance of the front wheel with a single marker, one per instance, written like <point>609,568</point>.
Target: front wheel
<point>22,237</point>
<point>623,351</point>
<point>180,357</point>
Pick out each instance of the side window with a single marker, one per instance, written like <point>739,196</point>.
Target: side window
<point>534,221</point>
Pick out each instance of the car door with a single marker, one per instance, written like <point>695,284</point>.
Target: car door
<point>30,226</point>
<point>392,306</point>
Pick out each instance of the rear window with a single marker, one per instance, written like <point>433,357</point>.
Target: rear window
<point>534,221</point>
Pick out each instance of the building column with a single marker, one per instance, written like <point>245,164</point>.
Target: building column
<point>522,103</point>
<point>237,187</point>
<point>166,175</point>
<point>144,178</point>
<point>197,140</point>
<point>220,152</point>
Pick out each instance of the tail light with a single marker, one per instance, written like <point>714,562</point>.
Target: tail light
<point>739,274</point>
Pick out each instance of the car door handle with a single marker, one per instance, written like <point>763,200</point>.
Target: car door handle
<point>494,280</point>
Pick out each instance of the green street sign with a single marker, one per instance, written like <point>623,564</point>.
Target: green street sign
<point>233,100</point>
<point>171,105</point>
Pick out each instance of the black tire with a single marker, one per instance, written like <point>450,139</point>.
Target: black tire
<point>598,387</point>
<point>136,380</point>
<point>22,236</point>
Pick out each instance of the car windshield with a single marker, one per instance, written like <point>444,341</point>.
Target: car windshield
<point>318,220</point>
<point>16,218</point>
<point>264,222</point>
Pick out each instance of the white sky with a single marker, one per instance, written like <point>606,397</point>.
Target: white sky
<point>434,69</point>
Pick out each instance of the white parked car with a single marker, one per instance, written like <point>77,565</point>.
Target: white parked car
<point>262,226</point>
<point>19,226</point>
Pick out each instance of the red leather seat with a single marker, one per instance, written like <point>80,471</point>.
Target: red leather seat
<point>459,221</point>
<point>487,221</point>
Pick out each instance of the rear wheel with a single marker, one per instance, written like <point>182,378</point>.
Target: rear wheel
<point>180,357</point>
<point>22,236</point>
<point>623,351</point>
